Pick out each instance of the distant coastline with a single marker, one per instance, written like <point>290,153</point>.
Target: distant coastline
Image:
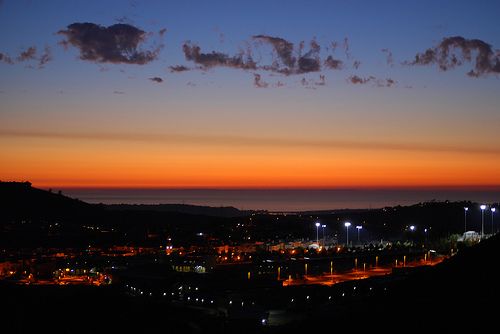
<point>284,199</point>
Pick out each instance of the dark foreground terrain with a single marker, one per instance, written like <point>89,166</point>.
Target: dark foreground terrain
<point>461,293</point>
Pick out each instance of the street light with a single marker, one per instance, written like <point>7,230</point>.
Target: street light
<point>465,217</point>
<point>412,228</point>
<point>323,226</point>
<point>347,224</point>
<point>359,227</point>
<point>483,207</point>
<point>317,233</point>
<point>492,212</point>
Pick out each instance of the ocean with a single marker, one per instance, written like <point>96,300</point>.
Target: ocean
<point>284,200</point>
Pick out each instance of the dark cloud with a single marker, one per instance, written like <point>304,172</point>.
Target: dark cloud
<point>285,62</point>
<point>310,62</point>
<point>118,92</point>
<point>162,32</point>
<point>118,43</point>
<point>283,48</point>
<point>389,82</point>
<point>258,82</point>
<point>192,52</point>
<point>334,64</point>
<point>5,58</point>
<point>454,51</point>
<point>356,64</point>
<point>156,79</point>
<point>389,58</point>
<point>354,79</point>
<point>178,68</point>
<point>28,54</point>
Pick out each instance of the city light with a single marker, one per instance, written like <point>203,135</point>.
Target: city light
<point>359,227</point>
<point>347,224</point>
<point>317,233</point>
<point>492,212</point>
<point>465,218</point>
<point>482,207</point>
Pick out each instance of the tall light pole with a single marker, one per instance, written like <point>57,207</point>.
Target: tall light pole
<point>347,224</point>
<point>359,227</point>
<point>483,207</point>
<point>492,212</point>
<point>323,226</point>
<point>317,233</point>
<point>465,218</point>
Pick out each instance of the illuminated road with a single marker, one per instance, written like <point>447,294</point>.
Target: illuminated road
<point>330,279</point>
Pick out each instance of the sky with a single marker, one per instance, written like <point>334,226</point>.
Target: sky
<point>260,94</point>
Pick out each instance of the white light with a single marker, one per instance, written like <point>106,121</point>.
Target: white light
<point>347,224</point>
<point>263,321</point>
<point>483,207</point>
<point>466,208</point>
<point>317,224</point>
<point>359,227</point>
<point>493,209</point>
<point>412,227</point>
<point>323,225</point>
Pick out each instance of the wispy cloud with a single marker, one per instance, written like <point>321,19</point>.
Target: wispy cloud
<point>156,79</point>
<point>223,140</point>
<point>258,82</point>
<point>45,57</point>
<point>357,80</point>
<point>116,44</point>
<point>454,51</point>
<point>334,64</point>
<point>192,52</point>
<point>178,68</point>
<point>28,54</point>
<point>5,58</point>
<point>389,59</point>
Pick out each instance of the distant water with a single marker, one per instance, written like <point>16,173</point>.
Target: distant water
<point>282,200</point>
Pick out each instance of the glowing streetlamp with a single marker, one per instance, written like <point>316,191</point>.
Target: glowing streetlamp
<point>347,224</point>
<point>323,226</point>
<point>317,233</point>
<point>483,207</point>
<point>359,227</point>
<point>412,228</point>
<point>465,218</point>
<point>492,212</point>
